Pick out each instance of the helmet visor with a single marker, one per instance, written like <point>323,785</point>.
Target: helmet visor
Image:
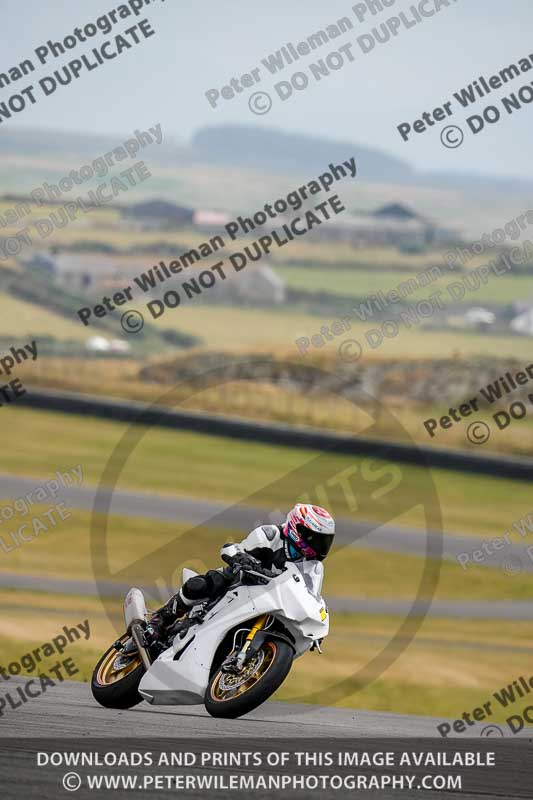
<point>320,543</point>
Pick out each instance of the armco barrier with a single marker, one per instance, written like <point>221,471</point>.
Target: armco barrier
<point>270,433</point>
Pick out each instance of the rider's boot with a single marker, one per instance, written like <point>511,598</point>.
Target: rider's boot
<point>171,612</point>
<point>196,590</point>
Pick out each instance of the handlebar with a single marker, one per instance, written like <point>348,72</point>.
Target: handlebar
<point>263,574</point>
<point>249,566</point>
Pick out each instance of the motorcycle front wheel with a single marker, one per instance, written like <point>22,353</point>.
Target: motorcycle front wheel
<point>116,680</point>
<point>231,694</point>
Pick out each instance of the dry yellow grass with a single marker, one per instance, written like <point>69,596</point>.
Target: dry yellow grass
<point>390,418</point>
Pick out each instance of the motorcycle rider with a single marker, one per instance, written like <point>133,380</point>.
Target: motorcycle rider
<point>305,538</point>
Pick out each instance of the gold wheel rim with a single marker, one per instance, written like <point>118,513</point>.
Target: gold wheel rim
<point>221,695</point>
<point>107,674</point>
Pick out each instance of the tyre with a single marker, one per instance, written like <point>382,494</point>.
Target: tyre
<point>116,685</point>
<point>230,695</point>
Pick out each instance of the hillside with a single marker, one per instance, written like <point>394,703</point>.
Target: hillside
<point>236,168</point>
<point>267,148</point>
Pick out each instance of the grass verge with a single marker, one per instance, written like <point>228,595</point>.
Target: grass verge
<point>217,468</point>
<point>141,551</point>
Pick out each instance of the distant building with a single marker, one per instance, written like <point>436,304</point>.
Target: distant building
<point>209,220</point>
<point>523,323</point>
<point>40,262</point>
<point>479,318</point>
<point>158,214</point>
<point>396,211</point>
<point>99,344</point>
<point>261,285</point>
<point>393,225</point>
<point>77,271</point>
<point>257,286</point>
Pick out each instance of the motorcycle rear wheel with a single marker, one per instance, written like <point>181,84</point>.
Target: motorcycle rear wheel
<point>230,696</point>
<point>117,688</point>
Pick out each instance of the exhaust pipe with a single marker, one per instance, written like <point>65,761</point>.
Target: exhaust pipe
<point>137,636</point>
<point>134,616</point>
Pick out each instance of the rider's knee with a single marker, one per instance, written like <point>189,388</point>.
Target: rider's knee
<point>217,582</point>
<point>196,588</point>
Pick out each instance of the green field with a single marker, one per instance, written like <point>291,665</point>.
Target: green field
<point>374,269</point>
<point>188,464</point>
<point>450,666</point>
<point>138,549</point>
<point>229,328</point>
<point>265,330</point>
<point>24,319</point>
<point>246,190</point>
<point>360,283</point>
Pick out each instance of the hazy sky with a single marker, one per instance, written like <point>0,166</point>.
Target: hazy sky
<point>201,45</point>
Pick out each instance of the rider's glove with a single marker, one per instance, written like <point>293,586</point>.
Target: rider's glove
<point>247,563</point>
<point>246,560</point>
<point>241,559</point>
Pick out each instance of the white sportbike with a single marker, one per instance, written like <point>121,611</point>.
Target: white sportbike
<point>230,654</point>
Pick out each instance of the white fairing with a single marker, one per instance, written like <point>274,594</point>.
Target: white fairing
<point>313,573</point>
<point>293,597</point>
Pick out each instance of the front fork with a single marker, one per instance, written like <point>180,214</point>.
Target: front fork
<point>259,625</point>
<point>138,637</point>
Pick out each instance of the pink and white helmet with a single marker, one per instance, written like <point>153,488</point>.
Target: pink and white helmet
<point>310,531</point>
